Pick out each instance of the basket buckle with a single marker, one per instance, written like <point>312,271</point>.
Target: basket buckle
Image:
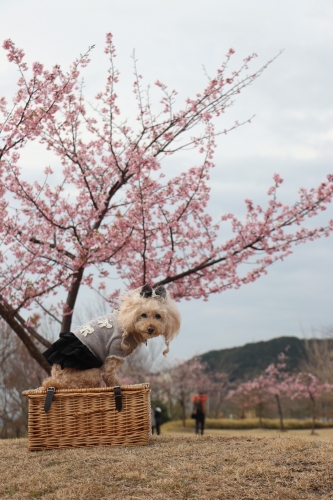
<point>117,397</point>
<point>49,398</point>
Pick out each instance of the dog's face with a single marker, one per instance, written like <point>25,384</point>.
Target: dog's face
<point>150,320</point>
<point>148,317</point>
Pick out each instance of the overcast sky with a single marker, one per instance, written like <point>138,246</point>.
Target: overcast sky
<point>292,133</point>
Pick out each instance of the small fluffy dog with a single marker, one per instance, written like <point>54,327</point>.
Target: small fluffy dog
<point>95,350</point>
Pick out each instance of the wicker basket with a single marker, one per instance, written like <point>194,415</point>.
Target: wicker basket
<point>89,417</point>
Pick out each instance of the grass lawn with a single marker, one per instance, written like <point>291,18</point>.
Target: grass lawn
<point>225,465</point>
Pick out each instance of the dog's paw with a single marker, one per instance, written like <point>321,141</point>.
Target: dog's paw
<point>51,382</point>
<point>111,381</point>
<point>109,371</point>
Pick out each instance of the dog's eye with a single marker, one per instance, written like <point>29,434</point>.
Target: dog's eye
<point>157,316</point>
<point>144,315</point>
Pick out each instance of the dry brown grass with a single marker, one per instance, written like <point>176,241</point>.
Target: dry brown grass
<point>320,434</point>
<point>173,467</point>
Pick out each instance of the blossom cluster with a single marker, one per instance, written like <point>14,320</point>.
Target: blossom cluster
<point>111,207</point>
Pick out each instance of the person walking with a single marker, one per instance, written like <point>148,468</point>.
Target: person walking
<point>153,421</point>
<point>158,419</point>
<point>199,411</point>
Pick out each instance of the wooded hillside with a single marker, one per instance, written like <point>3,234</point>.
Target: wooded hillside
<point>246,362</point>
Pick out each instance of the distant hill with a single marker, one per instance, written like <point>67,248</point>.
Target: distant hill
<point>246,362</point>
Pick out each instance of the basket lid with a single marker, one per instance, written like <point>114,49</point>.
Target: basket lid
<point>128,388</point>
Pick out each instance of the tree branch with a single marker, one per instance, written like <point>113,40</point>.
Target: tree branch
<point>6,314</point>
<point>71,299</point>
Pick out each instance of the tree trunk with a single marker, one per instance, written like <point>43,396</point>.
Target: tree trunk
<point>313,407</point>
<point>218,405</point>
<point>19,330</point>
<point>260,415</point>
<point>71,299</point>
<point>183,412</point>
<point>282,429</point>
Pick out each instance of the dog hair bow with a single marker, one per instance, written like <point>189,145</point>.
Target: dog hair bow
<point>159,292</point>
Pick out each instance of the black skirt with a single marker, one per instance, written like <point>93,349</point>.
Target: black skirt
<point>69,352</point>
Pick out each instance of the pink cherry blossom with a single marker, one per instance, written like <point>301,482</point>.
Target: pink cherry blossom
<point>111,209</point>
<point>308,386</point>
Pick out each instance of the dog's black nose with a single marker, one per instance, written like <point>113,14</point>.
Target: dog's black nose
<point>150,329</point>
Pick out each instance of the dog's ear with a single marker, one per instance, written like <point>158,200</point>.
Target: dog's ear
<point>172,325</point>
<point>160,291</point>
<point>172,321</point>
<point>128,311</point>
<point>146,291</point>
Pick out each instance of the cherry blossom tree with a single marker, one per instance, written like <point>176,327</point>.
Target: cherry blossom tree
<point>18,372</point>
<point>308,386</point>
<point>183,379</point>
<point>218,391</point>
<point>251,394</point>
<point>110,209</point>
<point>240,398</point>
<point>279,383</point>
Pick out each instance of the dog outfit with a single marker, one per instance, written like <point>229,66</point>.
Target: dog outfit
<point>89,345</point>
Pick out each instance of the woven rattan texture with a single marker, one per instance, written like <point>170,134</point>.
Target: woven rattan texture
<point>88,417</point>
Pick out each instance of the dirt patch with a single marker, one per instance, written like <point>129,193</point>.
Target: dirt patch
<point>172,467</point>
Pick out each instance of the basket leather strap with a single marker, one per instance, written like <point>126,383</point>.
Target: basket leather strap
<point>117,397</point>
<point>48,400</point>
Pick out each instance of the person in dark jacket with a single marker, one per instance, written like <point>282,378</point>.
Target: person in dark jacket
<point>158,419</point>
<point>199,410</point>
<point>153,421</point>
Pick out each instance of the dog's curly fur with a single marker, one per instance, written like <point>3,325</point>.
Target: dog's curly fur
<point>142,317</point>
<point>131,320</point>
